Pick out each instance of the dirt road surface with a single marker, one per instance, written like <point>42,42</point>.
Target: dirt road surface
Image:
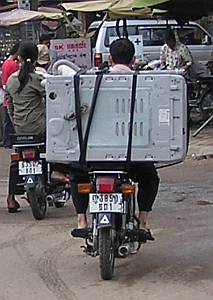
<point>39,260</point>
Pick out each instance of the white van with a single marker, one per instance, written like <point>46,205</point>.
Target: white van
<point>198,40</point>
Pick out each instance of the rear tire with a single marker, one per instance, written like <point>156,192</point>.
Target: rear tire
<point>37,200</point>
<point>106,253</point>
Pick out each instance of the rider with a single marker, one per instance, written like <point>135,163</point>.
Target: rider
<point>174,54</point>
<point>26,107</point>
<point>122,58</point>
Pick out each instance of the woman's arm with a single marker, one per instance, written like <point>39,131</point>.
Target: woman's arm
<point>10,105</point>
<point>38,86</point>
<point>163,56</point>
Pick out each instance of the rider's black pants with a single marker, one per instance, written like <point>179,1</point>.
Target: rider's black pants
<point>143,173</point>
<point>148,181</point>
<point>7,129</point>
<point>80,201</point>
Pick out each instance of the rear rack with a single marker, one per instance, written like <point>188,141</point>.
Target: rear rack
<point>108,172</point>
<point>28,145</point>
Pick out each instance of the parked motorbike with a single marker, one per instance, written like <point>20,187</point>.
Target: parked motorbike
<point>114,230</point>
<point>34,175</point>
<point>200,96</point>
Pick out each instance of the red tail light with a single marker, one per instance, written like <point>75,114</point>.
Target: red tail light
<point>29,154</point>
<point>105,184</point>
<point>98,59</point>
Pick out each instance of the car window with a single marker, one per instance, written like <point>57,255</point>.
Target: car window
<point>191,35</point>
<point>153,36</point>
<point>111,32</point>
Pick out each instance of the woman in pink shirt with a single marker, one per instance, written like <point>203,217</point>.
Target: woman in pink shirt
<point>9,67</point>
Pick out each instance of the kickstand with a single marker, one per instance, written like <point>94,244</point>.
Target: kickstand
<point>202,126</point>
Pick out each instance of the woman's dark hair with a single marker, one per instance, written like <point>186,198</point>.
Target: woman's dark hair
<point>29,54</point>
<point>122,51</point>
<point>44,37</point>
<point>14,49</point>
<point>170,36</point>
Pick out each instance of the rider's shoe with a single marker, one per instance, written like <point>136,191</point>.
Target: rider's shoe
<point>80,232</point>
<point>141,235</point>
<point>149,235</point>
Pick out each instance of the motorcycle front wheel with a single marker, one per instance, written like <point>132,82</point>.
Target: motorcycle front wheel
<point>37,199</point>
<point>106,253</point>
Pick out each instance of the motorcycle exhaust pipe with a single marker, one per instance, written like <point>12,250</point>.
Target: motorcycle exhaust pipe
<point>124,250</point>
<point>57,197</point>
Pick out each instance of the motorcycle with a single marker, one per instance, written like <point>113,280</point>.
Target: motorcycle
<point>33,175</point>
<point>200,95</point>
<point>114,230</point>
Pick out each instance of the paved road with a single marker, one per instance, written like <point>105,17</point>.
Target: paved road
<point>39,260</point>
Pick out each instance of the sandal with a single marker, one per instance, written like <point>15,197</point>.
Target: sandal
<point>80,232</point>
<point>14,209</point>
<point>149,235</point>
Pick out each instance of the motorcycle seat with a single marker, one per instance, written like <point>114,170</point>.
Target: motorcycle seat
<point>26,138</point>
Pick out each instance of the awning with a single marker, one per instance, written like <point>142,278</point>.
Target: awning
<point>123,8</point>
<point>18,16</point>
<point>181,9</point>
<point>178,9</point>
<point>115,8</point>
<point>88,6</point>
<point>147,3</point>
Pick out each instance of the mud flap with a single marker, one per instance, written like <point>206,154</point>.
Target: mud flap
<point>104,220</point>
<point>16,183</point>
<point>30,182</point>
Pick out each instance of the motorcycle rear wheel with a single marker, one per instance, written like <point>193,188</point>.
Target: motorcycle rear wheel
<point>37,200</point>
<point>106,253</point>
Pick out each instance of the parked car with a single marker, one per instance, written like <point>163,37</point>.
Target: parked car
<point>198,40</point>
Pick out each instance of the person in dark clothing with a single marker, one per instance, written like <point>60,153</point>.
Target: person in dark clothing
<point>122,57</point>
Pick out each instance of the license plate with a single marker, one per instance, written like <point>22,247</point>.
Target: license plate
<point>30,167</point>
<point>106,203</point>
